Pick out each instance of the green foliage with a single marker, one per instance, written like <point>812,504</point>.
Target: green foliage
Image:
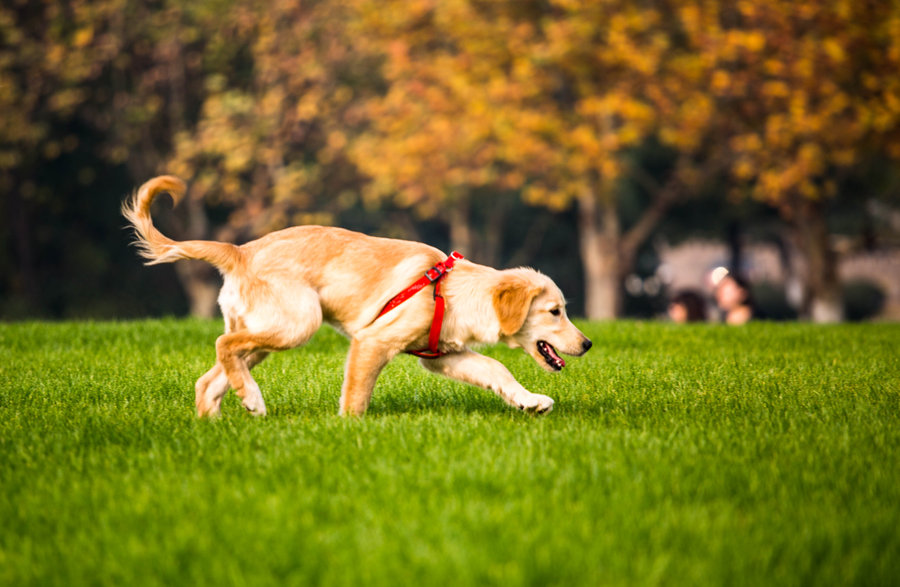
<point>764,454</point>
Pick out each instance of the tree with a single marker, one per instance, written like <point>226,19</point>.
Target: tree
<point>71,105</point>
<point>269,141</point>
<point>549,99</point>
<point>42,86</point>
<point>274,112</point>
<point>431,139</point>
<point>804,93</point>
<point>105,84</point>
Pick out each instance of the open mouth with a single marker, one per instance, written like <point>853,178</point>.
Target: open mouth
<point>549,353</point>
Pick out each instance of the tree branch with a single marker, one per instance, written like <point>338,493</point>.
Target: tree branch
<point>664,196</point>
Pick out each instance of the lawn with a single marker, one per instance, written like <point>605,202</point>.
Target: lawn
<point>701,455</point>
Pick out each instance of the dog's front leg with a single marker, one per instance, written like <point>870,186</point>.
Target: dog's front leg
<point>365,360</point>
<point>475,369</point>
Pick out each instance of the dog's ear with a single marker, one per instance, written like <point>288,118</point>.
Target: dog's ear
<point>512,298</point>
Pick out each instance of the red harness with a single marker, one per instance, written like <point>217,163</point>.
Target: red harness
<point>433,275</point>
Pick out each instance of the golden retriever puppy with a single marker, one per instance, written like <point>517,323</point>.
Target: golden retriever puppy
<point>279,289</point>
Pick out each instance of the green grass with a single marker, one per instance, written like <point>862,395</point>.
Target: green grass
<point>761,455</point>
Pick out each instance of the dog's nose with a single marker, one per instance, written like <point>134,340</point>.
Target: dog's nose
<point>586,345</point>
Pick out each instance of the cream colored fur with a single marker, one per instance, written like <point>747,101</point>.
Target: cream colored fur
<point>279,289</point>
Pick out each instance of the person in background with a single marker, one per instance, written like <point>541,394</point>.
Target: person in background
<point>687,306</point>
<point>734,299</point>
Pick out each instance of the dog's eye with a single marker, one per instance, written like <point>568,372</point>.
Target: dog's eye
<point>555,311</point>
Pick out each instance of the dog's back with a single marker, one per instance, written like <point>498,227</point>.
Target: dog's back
<point>351,272</point>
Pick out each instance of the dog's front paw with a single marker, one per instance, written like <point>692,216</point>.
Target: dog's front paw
<point>534,402</point>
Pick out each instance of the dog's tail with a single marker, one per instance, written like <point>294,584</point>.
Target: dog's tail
<point>158,248</point>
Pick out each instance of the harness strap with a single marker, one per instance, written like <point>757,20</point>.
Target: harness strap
<point>432,276</point>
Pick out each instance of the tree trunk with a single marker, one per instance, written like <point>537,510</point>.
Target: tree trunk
<point>598,237</point>
<point>460,228</point>
<point>201,285</point>
<point>491,236</point>
<point>25,281</point>
<point>824,301</point>
<point>478,239</point>
<point>199,279</point>
<point>631,241</point>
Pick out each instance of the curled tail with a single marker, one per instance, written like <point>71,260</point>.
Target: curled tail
<point>158,248</point>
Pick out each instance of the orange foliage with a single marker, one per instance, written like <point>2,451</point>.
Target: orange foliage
<point>550,97</point>
<point>432,98</point>
<point>802,90</point>
<point>273,145</point>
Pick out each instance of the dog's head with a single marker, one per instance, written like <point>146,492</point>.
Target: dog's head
<point>532,314</point>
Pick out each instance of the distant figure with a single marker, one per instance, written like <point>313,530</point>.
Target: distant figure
<point>687,306</point>
<point>734,299</point>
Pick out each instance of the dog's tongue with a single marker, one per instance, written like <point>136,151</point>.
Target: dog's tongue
<point>550,353</point>
<point>559,360</point>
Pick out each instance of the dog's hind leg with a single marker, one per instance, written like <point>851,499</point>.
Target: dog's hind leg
<point>283,316</point>
<point>212,386</point>
<point>233,351</point>
<point>209,390</point>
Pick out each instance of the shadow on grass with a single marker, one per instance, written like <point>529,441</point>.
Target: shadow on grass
<point>448,403</point>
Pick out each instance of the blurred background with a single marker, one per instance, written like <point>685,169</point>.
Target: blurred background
<point>632,150</point>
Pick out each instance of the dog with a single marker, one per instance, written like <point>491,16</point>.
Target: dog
<point>280,288</point>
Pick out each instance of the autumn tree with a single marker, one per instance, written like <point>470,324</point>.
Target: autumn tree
<point>274,111</point>
<point>269,141</point>
<point>431,142</point>
<point>804,93</point>
<point>74,77</point>
<point>552,100</point>
<point>43,85</point>
<point>612,80</point>
<point>106,83</point>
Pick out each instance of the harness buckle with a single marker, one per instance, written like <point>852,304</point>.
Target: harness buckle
<point>435,273</point>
